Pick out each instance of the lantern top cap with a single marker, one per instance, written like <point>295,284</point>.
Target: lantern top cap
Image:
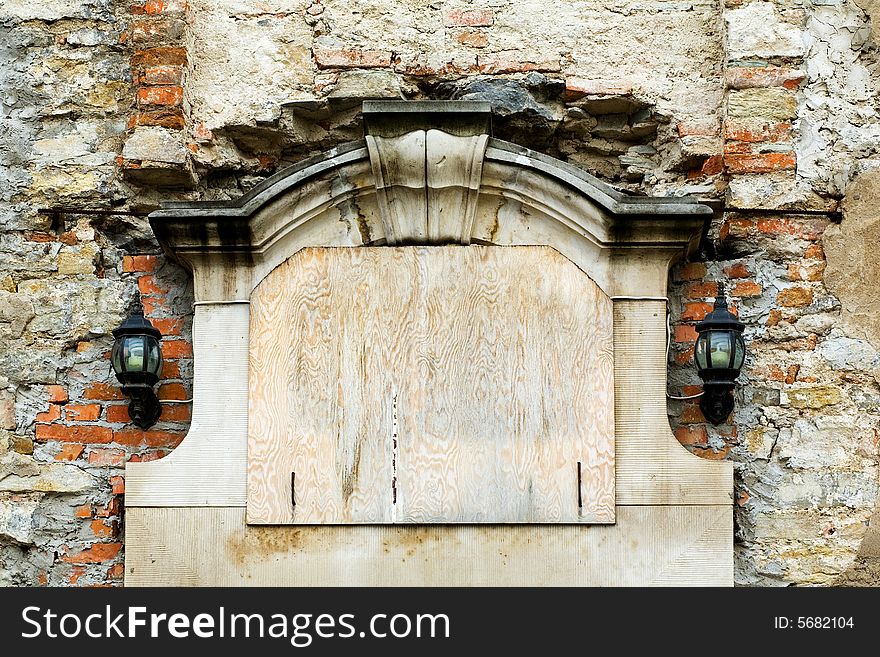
<point>137,324</point>
<point>720,319</point>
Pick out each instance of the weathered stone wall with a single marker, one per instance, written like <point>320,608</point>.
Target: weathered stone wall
<point>66,280</point>
<point>767,107</point>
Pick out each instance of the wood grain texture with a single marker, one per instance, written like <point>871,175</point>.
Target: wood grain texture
<point>430,384</point>
<point>649,546</point>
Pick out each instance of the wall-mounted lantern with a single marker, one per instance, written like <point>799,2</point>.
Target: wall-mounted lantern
<point>719,353</point>
<point>137,361</point>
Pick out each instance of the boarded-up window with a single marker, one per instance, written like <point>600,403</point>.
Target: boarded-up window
<point>458,384</point>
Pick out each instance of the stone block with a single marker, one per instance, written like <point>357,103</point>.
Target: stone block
<point>20,473</point>
<point>756,30</point>
<point>813,397</point>
<point>772,103</point>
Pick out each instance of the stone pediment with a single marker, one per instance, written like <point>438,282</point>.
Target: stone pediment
<point>429,173</point>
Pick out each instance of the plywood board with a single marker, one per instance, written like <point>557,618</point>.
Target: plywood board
<point>649,546</point>
<point>430,384</point>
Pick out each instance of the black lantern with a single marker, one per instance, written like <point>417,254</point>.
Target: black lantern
<point>719,354</point>
<point>137,361</point>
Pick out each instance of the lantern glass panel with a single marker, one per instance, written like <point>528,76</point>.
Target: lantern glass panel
<point>134,353</point>
<point>720,349</point>
<point>154,363</point>
<point>116,357</point>
<point>740,355</point>
<point>700,351</point>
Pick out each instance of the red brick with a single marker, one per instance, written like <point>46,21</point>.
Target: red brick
<point>736,228</point>
<point>692,435</point>
<point>117,485</point>
<point>792,373</point>
<point>117,413</point>
<point>737,270</point>
<point>82,412</point>
<point>103,391</point>
<point>712,454</point>
<point>737,147</point>
<point>168,325</point>
<point>811,272</point>
<point>77,434</point>
<point>112,508</point>
<point>696,311</point>
<point>165,117</point>
<point>685,333</point>
<point>165,6</point>
<point>741,77</point>
<point>712,166</point>
<point>97,553</point>
<point>116,571</point>
<point>173,391</point>
<point>149,456</point>
<point>140,438</point>
<point>760,163</point>
<point>170,370</point>
<point>814,252</point>
<point>155,29</point>
<point>159,57</point>
<point>69,452</point>
<point>684,357</point>
<point>138,263</point>
<point>176,349</point>
<point>692,415</point>
<point>57,394</point>
<point>807,229</point>
<point>104,528</point>
<point>175,413</point>
<point>472,38</point>
<point>515,62</point>
<point>75,573</point>
<point>69,238</point>
<point>148,285</point>
<point>153,305</point>
<point>351,58</point>
<point>171,95</point>
<point>693,271</point>
<point>469,18</point>
<point>38,236</point>
<point>756,131</point>
<point>746,289</point>
<point>114,458</point>
<point>701,290</point>
<point>795,296</point>
<point>54,413</point>
<point>84,511</point>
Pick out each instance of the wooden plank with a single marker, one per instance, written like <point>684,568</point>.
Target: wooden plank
<point>649,546</point>
<point>430,384</point>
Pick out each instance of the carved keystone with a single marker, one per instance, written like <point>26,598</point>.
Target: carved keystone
<point>427,161</point>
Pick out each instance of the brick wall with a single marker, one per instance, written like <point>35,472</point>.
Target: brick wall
<point>759,105</point>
